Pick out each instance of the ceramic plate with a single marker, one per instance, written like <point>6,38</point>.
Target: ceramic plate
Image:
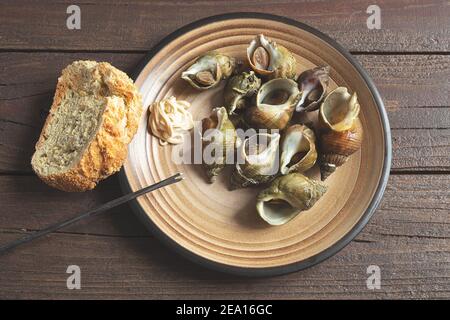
<point>220,228</point>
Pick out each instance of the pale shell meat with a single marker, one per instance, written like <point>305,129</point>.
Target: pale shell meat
<point>209,69</point>
<point>267,58</point>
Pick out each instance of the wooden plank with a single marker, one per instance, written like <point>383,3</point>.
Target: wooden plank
<point>416,150</point>
<point>414,87</point>
<point>415,91</point>
<point>406,25</point>
<point>410,81</point>
<point>408,237</point>
<point>423,201</point>
<point>136,268</point>
<point>45,204</point>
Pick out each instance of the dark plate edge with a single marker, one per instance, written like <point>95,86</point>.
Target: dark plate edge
<point>341,243</point>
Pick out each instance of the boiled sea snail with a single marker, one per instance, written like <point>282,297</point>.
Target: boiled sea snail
<point>287,196</point>
<point>257,160</point>
<point>298,149</point>
<point>340,132</point>
<point>219,140</point>
<point>209,69</point>
<point>275,103</point>
<point>238,88</point>
<point>313,84</point>
<point>270,59</point>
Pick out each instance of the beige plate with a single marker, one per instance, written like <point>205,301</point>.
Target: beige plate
<point>220,228</point>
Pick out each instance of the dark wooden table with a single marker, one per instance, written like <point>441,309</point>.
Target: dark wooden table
<point>408,237</point>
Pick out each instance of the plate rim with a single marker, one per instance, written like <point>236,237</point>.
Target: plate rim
<point>319,257</point>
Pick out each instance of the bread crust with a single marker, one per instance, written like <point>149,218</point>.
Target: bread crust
<point>107,150</point>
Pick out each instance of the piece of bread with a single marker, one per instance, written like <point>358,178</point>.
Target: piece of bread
<point>95,114</point>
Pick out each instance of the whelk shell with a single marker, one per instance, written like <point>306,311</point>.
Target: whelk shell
<point>270,59</point>
<point>298,149</point>
<point>257,160</point>
<point>287,196</point>
<point>209,69</point>
<point>218,134</point>
<point>340,133</point>
<point>238,88</point>
<point>275,103</point>
<point>313,84</point>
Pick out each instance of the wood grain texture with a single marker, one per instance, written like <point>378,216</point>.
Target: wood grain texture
<point>414,87</point>
<point>45,204</point>
<point>407,25</point>
<point>408,237</point>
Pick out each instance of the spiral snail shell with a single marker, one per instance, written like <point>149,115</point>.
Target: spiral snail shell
<point>340,133</point>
